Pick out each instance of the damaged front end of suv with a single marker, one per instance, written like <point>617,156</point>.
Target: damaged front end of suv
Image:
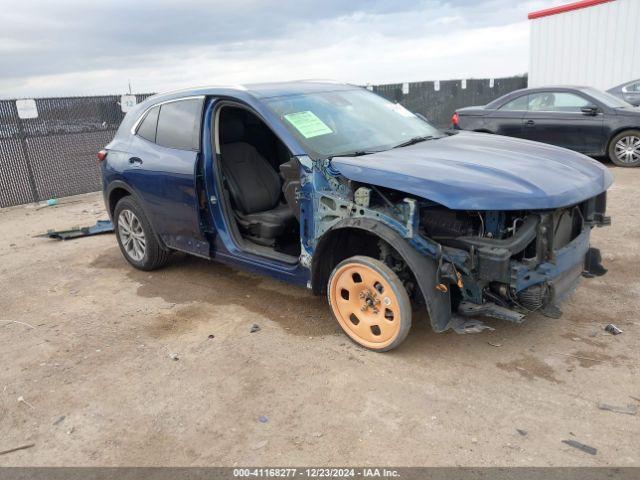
<point>515,262</point>
<point>479,238</point>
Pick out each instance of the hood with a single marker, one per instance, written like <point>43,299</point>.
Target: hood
<point>632,111</point>
<point>478,171</point>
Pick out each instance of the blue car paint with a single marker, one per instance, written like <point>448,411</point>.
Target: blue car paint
<point>464,171</point>
<point>165,184</point>
<point>478,171</point>
<point>167,178</point>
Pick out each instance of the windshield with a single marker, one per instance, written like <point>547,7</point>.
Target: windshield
<point>608,99</point>
<point>348,122</point>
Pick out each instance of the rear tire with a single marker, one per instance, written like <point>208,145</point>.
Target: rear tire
<point>137,240</point>
<point>624,149</point>
<point>370,303</point>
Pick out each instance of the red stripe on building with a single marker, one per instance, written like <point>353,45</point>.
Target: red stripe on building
<point>566,8</point>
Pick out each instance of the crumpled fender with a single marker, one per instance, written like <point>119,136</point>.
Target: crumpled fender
<point>424,268</point>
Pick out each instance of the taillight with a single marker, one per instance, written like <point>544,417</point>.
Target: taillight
<point>454,119</point>
<point>102,154</point>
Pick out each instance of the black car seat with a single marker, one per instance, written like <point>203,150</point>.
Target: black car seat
<point>253,185</point>
<point>261,137</point>
<point>290,172</point>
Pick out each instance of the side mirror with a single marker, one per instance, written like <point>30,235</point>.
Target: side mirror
<point>589,110</point>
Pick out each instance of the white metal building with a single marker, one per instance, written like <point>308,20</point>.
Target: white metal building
<point>592,42</point>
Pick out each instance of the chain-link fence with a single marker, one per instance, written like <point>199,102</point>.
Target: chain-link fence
<point>54,154</point>
<point>438,100</point>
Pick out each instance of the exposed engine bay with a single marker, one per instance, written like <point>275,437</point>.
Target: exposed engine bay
<point>507,249</point>
<point>488,263</point>
<point>507,263</point>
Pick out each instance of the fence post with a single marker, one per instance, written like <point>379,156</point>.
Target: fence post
<point>25,151</point>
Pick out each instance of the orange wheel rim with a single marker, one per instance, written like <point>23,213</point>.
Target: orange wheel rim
<point>365,305</point>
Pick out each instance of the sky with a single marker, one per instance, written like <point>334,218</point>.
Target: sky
<point>73,47</point>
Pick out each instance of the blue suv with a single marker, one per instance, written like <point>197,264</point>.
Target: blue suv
<point>333,188</point>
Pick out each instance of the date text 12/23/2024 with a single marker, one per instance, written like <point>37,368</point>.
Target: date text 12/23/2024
<point>370,472</point>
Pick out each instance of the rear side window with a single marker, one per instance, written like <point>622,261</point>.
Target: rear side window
<point>179,124</point>
<point>517,104</point>
<point>556,102</point>
<point>147,128</point>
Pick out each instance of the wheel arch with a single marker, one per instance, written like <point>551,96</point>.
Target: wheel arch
<point>333,247</point>
<point>618,131</point>
<point>118,190</point>
<point>613,135</point>
<point>115,196</point>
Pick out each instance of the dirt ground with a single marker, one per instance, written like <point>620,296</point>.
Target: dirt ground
<point>87,373</point>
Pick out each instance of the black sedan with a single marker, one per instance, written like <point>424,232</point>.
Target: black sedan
<point>583,119</point>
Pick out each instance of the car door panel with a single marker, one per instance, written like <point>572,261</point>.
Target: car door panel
<point>165,176</point>
<point>166,179</point>
<point>507,119</point>
<point>506,123</point>
<point>555,117</point>
<point>575,131</point>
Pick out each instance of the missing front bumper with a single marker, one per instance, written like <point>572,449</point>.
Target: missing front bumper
<point>543,288</point>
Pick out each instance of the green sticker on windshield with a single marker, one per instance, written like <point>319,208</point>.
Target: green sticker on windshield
<point>308,124</point>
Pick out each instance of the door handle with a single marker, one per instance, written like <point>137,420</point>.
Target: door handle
<point>134,160</point>
<point>529,123</point>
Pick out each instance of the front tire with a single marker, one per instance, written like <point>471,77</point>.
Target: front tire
<point>624,149</point>
<point>137,240</point>
<point>370,303</point>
